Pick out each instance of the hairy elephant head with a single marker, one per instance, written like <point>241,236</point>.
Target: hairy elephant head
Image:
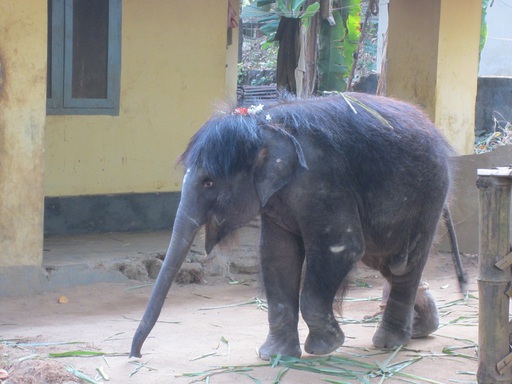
<point>234,164</point>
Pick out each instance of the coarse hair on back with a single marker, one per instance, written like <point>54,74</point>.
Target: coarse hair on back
<point>353,131</point>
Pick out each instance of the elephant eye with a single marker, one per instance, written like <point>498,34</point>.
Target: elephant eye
<point>207,183</point>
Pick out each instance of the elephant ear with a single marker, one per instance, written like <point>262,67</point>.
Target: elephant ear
<point>277,163</point>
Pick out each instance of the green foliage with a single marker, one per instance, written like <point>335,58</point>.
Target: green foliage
<point>290,8</point>
<point>270,12</point>
<point>483,30</point>
<point>353,27</point>
<point>337,46</point>
<point>337,43</point>
<point>331,59</point>
<point>310,11</point>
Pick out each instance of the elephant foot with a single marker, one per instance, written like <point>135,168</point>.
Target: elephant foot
<point>426,317</point>
<point>322,343</point>
<point>385,338</point>
<point>286,346</point>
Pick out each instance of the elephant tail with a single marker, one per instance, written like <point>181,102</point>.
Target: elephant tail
<point>462,276</point>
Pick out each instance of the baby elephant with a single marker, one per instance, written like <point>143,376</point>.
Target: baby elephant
<point>335,180</point>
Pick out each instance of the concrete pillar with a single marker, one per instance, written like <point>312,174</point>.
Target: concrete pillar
<point>23,47</point>
<point>432,60</point>
<point>232,54</point>
<point>457,71</point>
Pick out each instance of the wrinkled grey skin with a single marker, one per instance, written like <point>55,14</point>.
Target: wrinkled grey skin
<point>329,191</point>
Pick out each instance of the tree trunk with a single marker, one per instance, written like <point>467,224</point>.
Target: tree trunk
<point>310,53</point>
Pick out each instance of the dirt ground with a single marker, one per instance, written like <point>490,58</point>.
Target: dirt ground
<point>203,327</point>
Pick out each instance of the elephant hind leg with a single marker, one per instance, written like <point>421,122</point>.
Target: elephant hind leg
<point>395,329</point>
<point>401,320</point>
<point>424,320</point>
<point>426,317</point>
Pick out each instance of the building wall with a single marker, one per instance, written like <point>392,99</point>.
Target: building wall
<point>173,74</point>
<point>432,60</point>
<point>22,119</point>
<point>412,51</point>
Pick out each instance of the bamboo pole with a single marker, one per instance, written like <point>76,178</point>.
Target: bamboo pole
<point>493,282</point>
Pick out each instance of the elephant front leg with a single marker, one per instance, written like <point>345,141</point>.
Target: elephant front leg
<point>282,255</point>
<point>325,334</point>
<point>325,271</point>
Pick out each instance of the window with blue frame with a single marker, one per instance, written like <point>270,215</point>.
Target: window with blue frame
<point>84,57</point>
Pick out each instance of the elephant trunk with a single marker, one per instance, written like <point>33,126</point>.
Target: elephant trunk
<point>184,231</point>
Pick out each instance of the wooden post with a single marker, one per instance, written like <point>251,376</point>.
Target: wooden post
<point>494,276</point>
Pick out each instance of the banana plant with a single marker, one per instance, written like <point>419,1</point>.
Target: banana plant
<point>269,12</point>
<point>291,8</point>
<point>284,23</point>
<point>483,29</point>
<point>337,46</point>
<point>337,43</point>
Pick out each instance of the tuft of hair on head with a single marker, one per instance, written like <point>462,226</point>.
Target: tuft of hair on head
<point>285,96</point>
<point>225,144</point>
<point>224,107</point>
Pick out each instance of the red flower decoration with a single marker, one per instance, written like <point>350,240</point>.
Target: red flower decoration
<point>241,111</point>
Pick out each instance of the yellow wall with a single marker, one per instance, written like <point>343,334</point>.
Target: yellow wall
<point>432,60</point>
<point>412,51</point>
<point>173,74</point>
<point>22,117</point>
<point>457,73</point>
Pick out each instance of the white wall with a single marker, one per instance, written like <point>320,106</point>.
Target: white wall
<point>496,59</point>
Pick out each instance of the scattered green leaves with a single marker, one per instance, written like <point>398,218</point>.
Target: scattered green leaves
<point>203,356</point>
<point>501,135</point>
<point>76,354</point>
<point>467,321</point>
<point>260,303</point>
<point>139,366</point>
<point>139,286</point>
<point>355,300</point>
<point>366,320</point>
<point>81,375</point>
<point>334,366</point>
<point>204,375</point>
<point>352,100</point>
<point>102,373</point>
<point>362,284</point>
<point>18,343</point>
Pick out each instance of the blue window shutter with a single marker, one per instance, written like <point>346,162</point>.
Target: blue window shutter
<point>62,100</point>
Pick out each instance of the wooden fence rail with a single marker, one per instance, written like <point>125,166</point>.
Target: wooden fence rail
<point>254,94</point>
